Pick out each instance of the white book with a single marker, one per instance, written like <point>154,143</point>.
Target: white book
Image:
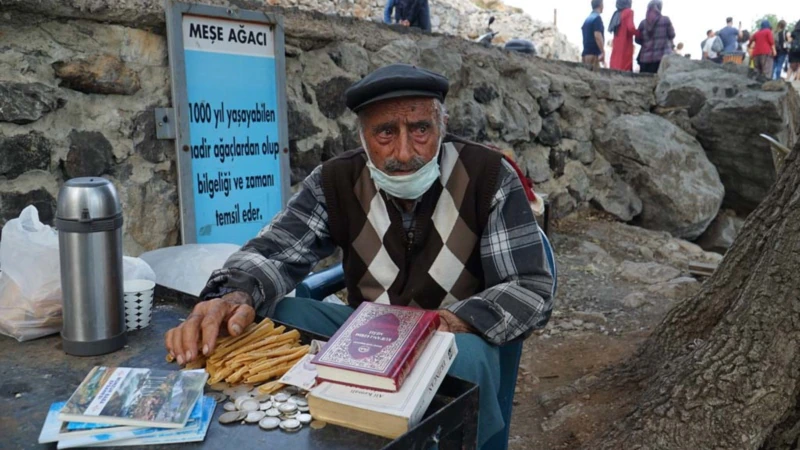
<point>388,414</point>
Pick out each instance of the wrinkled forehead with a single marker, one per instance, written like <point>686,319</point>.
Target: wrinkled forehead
<point>400,110</point>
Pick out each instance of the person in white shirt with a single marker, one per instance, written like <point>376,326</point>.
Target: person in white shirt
<point>708,53</point>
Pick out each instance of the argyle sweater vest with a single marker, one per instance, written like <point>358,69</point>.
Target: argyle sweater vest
<point>436,262</point>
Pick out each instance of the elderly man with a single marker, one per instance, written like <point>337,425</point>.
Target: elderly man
<point>423,219</point>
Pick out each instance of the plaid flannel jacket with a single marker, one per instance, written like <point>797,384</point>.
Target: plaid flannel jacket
<point>657,45</point>
<point>518,295</point>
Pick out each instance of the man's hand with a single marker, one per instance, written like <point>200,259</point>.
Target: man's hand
<point>405,23</point>
<point>451,323</point>
<point>233,311</point>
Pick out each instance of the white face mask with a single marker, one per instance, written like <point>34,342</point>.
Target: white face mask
<point>407,187</point>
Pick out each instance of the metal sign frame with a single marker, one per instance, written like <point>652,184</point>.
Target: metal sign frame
<point>175,12</point>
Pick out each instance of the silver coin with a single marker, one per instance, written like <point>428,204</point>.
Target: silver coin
<point>291,390</point>
<point>288,416</point>
<point>280,397</point>
<point>318,424</point>
<point>261,398</point>
<point>221,386</point>
<point>273,412</point>
<point>231,417</point>
<point>287,407</point>
<point>218,397</point>
<point>305,419</point>
<point>265,406</point>
<point>239,400</point>
<point>254,416</point>
<point>290,424</point>
<point>230,392</point>
<point>303,409</point>
<point>229,407</point>
<point>300,401</point>
<point>249,405</point>
<point>269,423</point>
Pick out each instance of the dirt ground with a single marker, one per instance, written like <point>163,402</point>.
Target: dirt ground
<point>601,315</point>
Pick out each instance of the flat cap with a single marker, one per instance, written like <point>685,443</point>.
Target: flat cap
<point>395,81</point>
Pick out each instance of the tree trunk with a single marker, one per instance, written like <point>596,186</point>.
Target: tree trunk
<point>723,368</point>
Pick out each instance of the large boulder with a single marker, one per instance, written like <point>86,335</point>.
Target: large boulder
<point>680,189</point>
<point>729,107</point>
<point>721,233</point>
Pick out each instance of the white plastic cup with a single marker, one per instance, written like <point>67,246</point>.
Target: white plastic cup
<point>138,303</point>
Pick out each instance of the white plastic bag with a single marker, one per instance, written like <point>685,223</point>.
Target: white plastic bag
<point>30,285</point>
<point>186,268</point>
<point>136,269</point>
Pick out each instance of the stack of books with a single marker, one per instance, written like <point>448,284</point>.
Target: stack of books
<point>380,371</point>
<point>119,406</point>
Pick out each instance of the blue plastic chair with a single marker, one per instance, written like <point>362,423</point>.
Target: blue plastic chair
<point>321,284</point>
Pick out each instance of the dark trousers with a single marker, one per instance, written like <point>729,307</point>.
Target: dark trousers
<point>649,67</point>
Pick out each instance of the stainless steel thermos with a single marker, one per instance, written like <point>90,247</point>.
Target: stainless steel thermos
<point>89,223</point>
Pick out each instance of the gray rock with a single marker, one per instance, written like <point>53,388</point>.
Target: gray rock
<point>551,103</point>
<point>440,60</point>
<point>35,188</point>
<point>646,253</point>
<point>647,273</point>
<point>330,96</point>
<point>90,154</point>
<point>24,152</point>
<point>144,139</point>
<point>679,117</point>
<point>590,316</point>
<point>610,193</point>
<point>23,103</point>
<point>677,288</point>
<point>578,183</point>
<point>534,161</point>
<point>99,74</point>
<point>538,87</point>
<point>578,150</point>
<point>568,326</point>
<point>730,109</point>
<point>467,118</point>
<point>551,131</point>
<point>722,232</point>
<point>351,58</point>
<point>484,93</point>
<point>680,189</point>
<point>635,300</point>
<point>399,50</point>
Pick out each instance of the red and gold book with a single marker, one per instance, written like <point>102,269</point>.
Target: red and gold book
<point>377,347</point>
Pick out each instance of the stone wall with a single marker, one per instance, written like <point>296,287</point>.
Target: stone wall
<point>79,80</point>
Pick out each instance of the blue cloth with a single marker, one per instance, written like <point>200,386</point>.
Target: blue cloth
<point>387,12</point>
<point>777,68</point>
<point>477,361</point>
<point>592,24</point>
<point>730,39</point>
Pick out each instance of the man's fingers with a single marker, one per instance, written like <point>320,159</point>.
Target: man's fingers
<point>190,332</point>
<point>243,315</point>
<point>168,342</point>
<point>177,344</point>
<point>212,321</point>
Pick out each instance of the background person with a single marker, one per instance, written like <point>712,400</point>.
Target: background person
<point>593,39</point>
<point>624,30</point>
<point>763,49</point>
<point>730,36</point>
<point>794,53</point>
<point>782,49</point>
<point>655,36</point>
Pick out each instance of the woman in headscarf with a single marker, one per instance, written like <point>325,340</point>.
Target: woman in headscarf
<point>624,30</point>
<point>655,36</point>
<point>764,49</point>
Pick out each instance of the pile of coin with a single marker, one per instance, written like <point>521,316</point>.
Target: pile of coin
<point>286,409</point>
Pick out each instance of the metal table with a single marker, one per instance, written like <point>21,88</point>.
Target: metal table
<point>38,373</point>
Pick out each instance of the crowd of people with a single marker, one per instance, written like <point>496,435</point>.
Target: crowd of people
<point>768,51</point>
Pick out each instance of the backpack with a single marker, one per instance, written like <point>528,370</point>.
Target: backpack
<point>795,47</point>
<point>717,45</point>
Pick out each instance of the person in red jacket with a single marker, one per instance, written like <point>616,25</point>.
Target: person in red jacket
<point>764,49</point>
<point>624,30</point>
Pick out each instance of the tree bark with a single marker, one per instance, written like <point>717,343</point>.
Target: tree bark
<point>722,370</point>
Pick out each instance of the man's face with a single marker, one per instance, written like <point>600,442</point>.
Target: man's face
<point>402,134</point>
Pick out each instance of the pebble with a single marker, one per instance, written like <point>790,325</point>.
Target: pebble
<point>566,326</point>
<point>577,322</point>
<point>254,416</point>
<point>231,417</point>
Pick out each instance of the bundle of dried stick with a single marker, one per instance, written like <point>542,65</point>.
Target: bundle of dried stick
<point>261,353</point>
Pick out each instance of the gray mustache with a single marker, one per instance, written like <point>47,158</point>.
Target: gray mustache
<point>392,165</point>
